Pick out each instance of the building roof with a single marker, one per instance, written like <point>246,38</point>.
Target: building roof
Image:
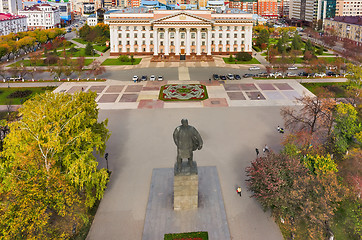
<point>9,16</point>
<point>92,16</point>
<point>357,20</point>
<point>36,7</point>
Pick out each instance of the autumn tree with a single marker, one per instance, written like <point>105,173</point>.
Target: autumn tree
<point>262,38</point>
<point>79,65</point>
<point>355,77</point>
<point>48,167</point>
<point>96,68</point>
<point>315,115</point>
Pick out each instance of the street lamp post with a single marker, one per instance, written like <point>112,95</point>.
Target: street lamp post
<point>106,157</point>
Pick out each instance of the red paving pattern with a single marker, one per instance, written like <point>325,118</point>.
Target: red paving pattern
<point>150,104</point>
<point>215,102</point>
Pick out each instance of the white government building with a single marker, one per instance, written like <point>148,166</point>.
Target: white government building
<point>180,32</point>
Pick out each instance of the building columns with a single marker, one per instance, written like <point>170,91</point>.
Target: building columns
<point>155,41</point>
<point>177,44</point>
<point>188,41</point>
<point>208,41</point>
<point>167,43</point>
<point>198,41</point>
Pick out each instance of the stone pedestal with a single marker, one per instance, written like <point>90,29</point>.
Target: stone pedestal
<point>185,187</point>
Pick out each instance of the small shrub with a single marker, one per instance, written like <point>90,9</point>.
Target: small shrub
<point>124,58</point>
<point>20,94</point>
<point>73,50</point>
<point>319,51</point>
<point>231,58</point>
<point>243,56</point>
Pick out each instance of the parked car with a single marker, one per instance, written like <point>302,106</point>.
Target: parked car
<point>237,76</point>
<point>319,75</point>
<point>303,74</point>
<point>332,74</point>
<point>135,78</point>
<point>291,74</point>
<point>14,79</point>
<point>152,78</point>
<point>248,75</point>
<point>215,76</point>
<point>262,74</point>
<point>254,68</point>
<point>292,68</point>
<point>230,76</point>
<point>275,74</point>
<point>144,78</point>
<point>160,78</point>
<point>222,77</point>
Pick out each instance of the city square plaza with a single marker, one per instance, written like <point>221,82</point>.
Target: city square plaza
<point>232,122</point>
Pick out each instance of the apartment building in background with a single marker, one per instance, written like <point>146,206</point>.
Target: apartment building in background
<point>346,27</point>
<point>41,16</point>
<point>268,9</point>
<point>10,23</point>
<point>349,8</point>
<point>10,6</point>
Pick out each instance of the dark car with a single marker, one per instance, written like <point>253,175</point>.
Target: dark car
<point>222,77</point>
<point>215,77</point>
<point>144,78</point>
<point>262,74</point>
<point>237,76</point>
<point>248,75</point>
<point>332,74</point>
<point>304,74</point>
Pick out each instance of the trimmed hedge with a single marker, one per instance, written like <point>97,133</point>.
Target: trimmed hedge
<point>20,94</point>
<point>187,236</point>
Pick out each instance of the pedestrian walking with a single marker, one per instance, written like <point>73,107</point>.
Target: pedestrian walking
<point>266,148</point>
<point>238,191</point>
<point>258,96</point>
<point>209,79</point>
<point>257,152</point>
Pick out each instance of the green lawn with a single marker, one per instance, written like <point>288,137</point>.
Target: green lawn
<point>81,53</point>
<point>339,89</point>
<point>101,48</point>
<point>4,92</point>
<point>186,236</point>
<point>81,41</point>
<point>329,59</point>
<point>252,61</point>
<point>115,61</point>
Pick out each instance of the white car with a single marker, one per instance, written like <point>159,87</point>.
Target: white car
<point>152,78</point>
<point>254,68</point>
<point>160,78</point>
<point>230,76</point>
<point>290,74</point>
<point>135,78</point>
<point>292,68</point>
<point>320,75</point>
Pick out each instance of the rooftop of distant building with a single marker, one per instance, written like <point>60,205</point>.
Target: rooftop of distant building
<point>9,16</point>
<point>357,20</point>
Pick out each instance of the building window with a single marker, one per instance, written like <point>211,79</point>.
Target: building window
<point>172,43</point>
<point>242,35</point>
<point>172,35</point>
<point>151,27</point>
<point>220,28</point>
<point>135,35</point>
<point>144,49</point>
<point>151,35</point>
<point>212,49</point>
<point>203,43</point>
<point>220,35</point>
<point>182,35</point>
<point>227,42</point>
<point>235,49</point>
<point>182,43</point>
<point>228,28</point>
<point>161,51</point>
<point>203,50</point>
<point>119,28</point>
<point>127,28</point>
<point>161,35</point>
<point>135,43</point>
<point>120,43</point>
<point>220,49</point>
<point>242,28</point>
<point>235,28</point>
<point>242,42</point>
<point>242,49</point>
<point>120,35</point>
<point>127,42</point>
<point>227,49</point>
<point>228,35</point>
<point>161,43</point>
<point>143,28</point>
<point>143,42</point>
<point>151,42</point>
<point>127,35</point>
<point>212,42</point>
<point>220,42</point>
<point>192,35</point>
<point>192,43</point>
<point>212,35</point>
<point>151,49</point>
<point>134,28</point>
<point>235,35</point>
<point>203,35</point>
<point>143,35</point>
<point>127,49</point>
<point>193,50</point>
<point>212,28</point>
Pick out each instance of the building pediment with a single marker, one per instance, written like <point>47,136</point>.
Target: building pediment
<point>182,17</point>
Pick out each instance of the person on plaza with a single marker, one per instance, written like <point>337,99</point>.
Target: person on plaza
<point>266,148</point>
<point>258,96</point>
<point>238,191</point>
<point>257,152</point>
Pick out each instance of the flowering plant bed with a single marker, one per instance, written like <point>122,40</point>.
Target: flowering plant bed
<point>183,92</point>
<point>187,236</point>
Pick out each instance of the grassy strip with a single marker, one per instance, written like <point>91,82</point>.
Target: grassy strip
<point>190,235</point>
<point>27,63</point>
<point>252,61</point>
<point>101,48</point>
<point>79,40</point>
<point>81,53</point>
<point>115,61</point>
<point>4,92</point>
<point>339,89</point>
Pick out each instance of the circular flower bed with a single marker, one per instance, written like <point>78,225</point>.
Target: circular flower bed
<point>183,92</point>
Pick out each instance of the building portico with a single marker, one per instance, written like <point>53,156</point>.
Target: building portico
<point>184,33</point>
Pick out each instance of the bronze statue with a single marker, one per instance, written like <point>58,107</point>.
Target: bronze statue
<point>187,140</point>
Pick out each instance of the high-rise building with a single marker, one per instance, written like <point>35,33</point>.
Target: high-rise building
<point>349,8</point>
<point>268,9</point>
<point>311,10</point>
<point>10,6</point>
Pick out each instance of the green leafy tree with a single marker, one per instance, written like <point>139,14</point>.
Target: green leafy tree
<point>84,31</point>
<point>280,46</point>
<point>309,46</point>
<point>262,38</point>
<point>356,74</point>
<point>88,49</point>
<point>346,126</point>
<point>231,58</point>
<point>296,42</point>
<point>48,164</point>
<point>320,164</point>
